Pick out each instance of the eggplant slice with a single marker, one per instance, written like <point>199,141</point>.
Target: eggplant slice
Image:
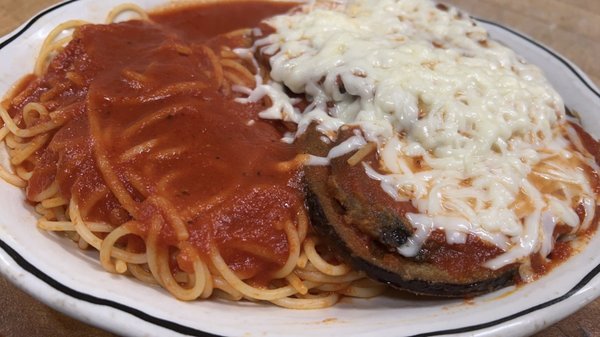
<point>364,227</point>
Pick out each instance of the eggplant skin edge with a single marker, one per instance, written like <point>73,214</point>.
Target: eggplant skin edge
<point>322,212</point>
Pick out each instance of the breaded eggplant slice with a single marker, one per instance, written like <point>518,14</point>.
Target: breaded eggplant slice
<point>365,226</point>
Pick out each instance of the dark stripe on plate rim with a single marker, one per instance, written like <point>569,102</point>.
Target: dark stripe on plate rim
<point>96,300</point>
<point>23,263</point>
<point>33,20</point>
<point>586,279</point>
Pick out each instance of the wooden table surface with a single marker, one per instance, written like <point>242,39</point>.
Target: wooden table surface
<point>571,27</point>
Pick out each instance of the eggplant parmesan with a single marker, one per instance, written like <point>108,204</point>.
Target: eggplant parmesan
<point>437,160</point>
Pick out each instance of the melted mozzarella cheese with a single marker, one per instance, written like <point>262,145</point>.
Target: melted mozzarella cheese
<point>425,82</point>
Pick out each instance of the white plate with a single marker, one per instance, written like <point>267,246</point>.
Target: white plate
<point>55,271</point>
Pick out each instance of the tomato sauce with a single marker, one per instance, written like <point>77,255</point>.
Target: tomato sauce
<point>198,25</point>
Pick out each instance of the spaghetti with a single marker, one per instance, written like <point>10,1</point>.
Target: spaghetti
<point>128,140</point>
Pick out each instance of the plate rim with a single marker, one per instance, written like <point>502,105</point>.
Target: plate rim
<point>62,289</point>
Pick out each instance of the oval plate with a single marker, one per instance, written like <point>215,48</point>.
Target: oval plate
<point>56,272</point>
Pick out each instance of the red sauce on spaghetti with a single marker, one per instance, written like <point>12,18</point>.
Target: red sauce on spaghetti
<point>168,129</point>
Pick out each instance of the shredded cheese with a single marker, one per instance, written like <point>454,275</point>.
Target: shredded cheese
<point>426,82</point>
